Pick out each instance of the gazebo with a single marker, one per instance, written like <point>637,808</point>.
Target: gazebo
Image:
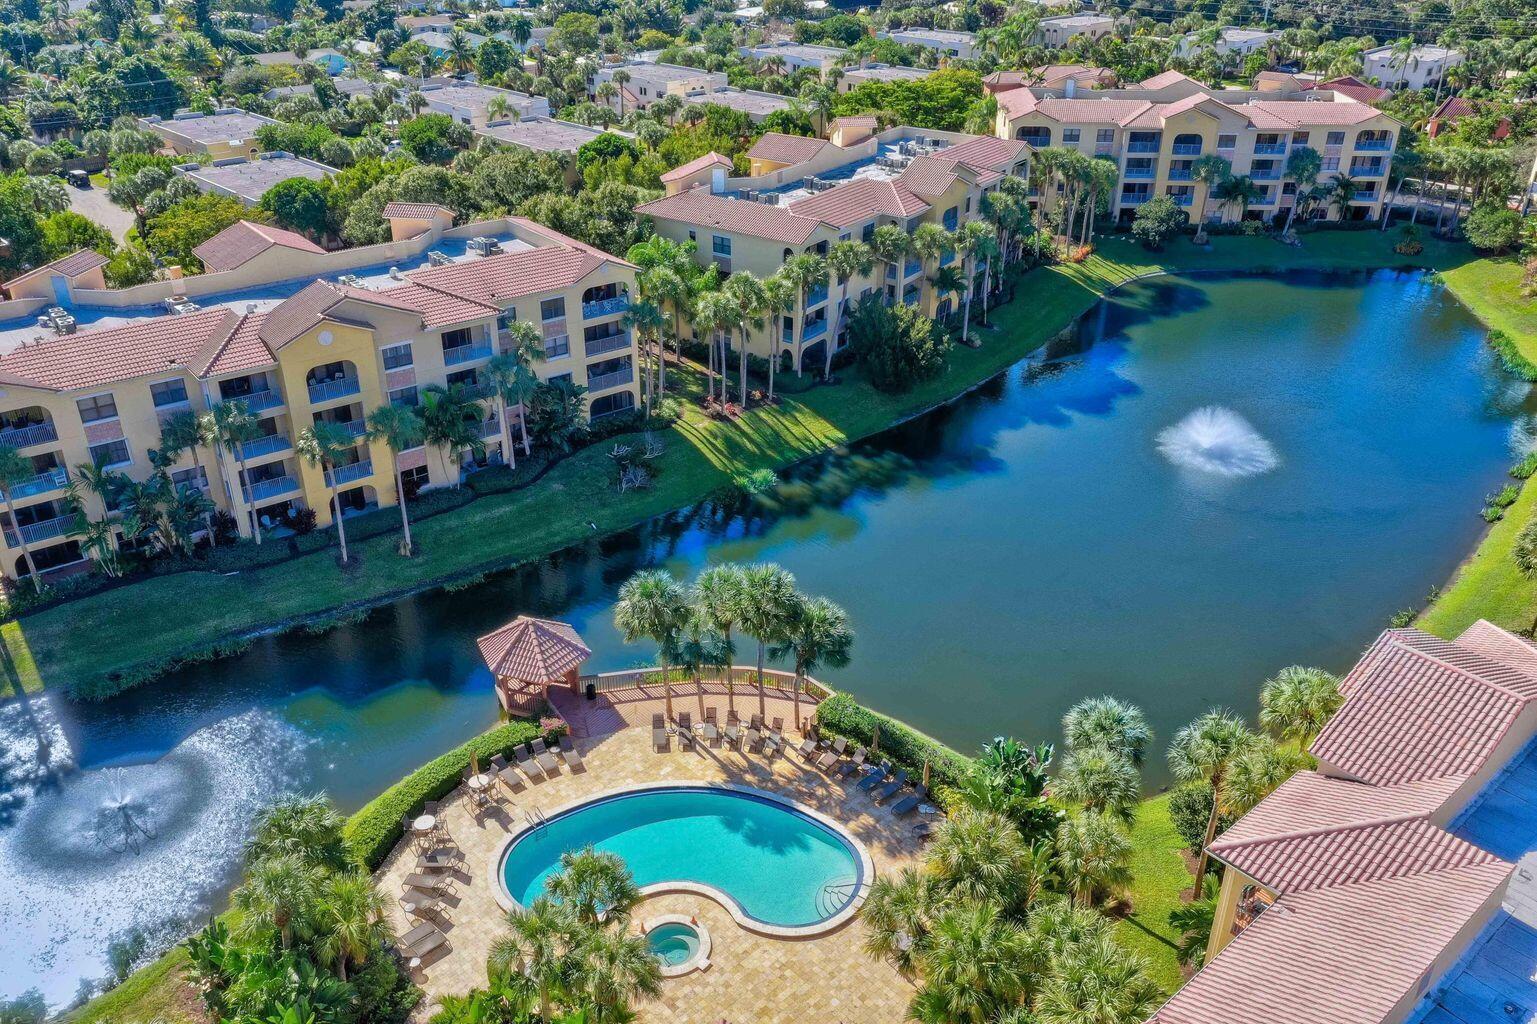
<point>527,656</point>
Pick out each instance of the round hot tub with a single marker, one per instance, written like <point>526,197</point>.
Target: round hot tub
<point>679,944</point>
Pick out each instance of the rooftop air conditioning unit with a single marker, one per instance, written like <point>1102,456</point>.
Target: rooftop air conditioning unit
<point>438,259</point>
<point>771,198</point>
<point>396,275</point>
<point>483,246</point>
<point>809,183</point>
<point>750,194</point>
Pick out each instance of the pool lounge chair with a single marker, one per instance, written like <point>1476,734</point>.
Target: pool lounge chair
<point>429,882</point>
<point>506,773</point>
<point>525,761</point>
<point>685,729</point>
<point>807,748</point>
<point>658,732</point>
<point>826,761</point>
<point>441,859</point>
<point>839,745</point>
<point>544,757</point>
<point>733,730</point>
<point>752,739</point>
<point>875,777</point>
<point>420,941</point>
<point>571,754</point>
<point>774,742</point>
<point>891,788</point>
<point>418,904</point>
<point>711,728</point>
<point>855,763</point>
<point>909,803</point>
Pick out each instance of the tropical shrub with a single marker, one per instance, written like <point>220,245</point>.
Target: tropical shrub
<point>897,346</point>
<point>1189,808</point>
<point>1492,227</point>
<point>841,715</point>
<point>1510,356</point>
<point>1158,221</point>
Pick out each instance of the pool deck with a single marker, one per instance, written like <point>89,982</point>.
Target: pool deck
<point>752,979</point>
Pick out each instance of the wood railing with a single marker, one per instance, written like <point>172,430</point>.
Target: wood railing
<point>745,676</point>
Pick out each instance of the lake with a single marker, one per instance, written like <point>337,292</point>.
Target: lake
<point>1218,478</point>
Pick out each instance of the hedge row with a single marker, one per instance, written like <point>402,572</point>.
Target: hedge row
<point>375,829</point>
<point>904,747</point>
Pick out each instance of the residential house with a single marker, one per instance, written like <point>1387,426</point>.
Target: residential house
<point>1156,130</point>
<point>645,83</point>
<point>1050,76</point>
<point>944,42</point>
<point>1381,887</point>
<point>853,78</point>
<point>227,132</point>
<point>1423,67</point>
<point>1454,109</point>
<point>478,105</point>
<point>1231,41</point>
<point>1060,30</point>
<point>249,179</point>
<point>795,56</point>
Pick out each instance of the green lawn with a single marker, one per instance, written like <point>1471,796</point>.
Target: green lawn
<point>1158,877</point>
<point>191,611</point>
<point>157,992</point>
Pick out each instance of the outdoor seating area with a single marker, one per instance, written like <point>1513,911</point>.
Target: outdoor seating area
<point>442,875</point>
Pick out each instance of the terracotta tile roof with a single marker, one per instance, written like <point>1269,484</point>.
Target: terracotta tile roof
<point>533,650</point>
<point>235,348</point>
<point>97,358</point>
<point>1018,102</point>
<point>786,149</point>
<point>859,200</point>
<point>984,153</point>
<point>1350,85</point>
<point>311,304</point>
<point>1332,856</point>
<point>1489,640</point>
<point>857,121</point>
<point>514,274</point>
<point>1309,801</point>
<point>237,244</point>
<point>699,206</point>
<point>1346,955</point>
<point>1418,708</point>
<point>1300,113</point>
<point>438,308</point>
<point>415,211</point>
<point>695,166</point>
<point>1051,76</point>
<point>1155,115</point>
<point>73,265</point>
<point>1104,111</point>
<point>931,177</point>
<point>1164,79</point>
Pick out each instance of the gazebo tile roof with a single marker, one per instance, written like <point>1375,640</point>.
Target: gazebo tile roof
<point>531,650</point>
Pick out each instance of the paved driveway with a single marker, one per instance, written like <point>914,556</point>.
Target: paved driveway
<point>93,203</point>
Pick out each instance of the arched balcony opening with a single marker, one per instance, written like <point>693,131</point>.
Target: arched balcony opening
<point>1187,144</point>
<point>22,427</point>
<point>330,381</point>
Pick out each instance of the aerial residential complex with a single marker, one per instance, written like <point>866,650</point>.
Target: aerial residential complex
<point>802,195</point>
<point>1157,129</point>
<point>351,338</point>
<point>226,133</point>
<point>1381,887</point>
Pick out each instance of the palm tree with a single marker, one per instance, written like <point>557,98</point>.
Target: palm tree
<point>1342,191</point>
<point>897,914</point>
<point>803,271</point>
<point>400,428</point>
<point>979,244</point>
<point>768,604</point>
<point>1297,702</point>
<point>1100,781</point>
<point>1525,557</point>
<point>461,54</point>
<point>621,78</point>
<point>498,108</point>
<point>1204,751</point>
<point>948,280</point>
<point>1239,191</point>
<point>501,374</point>
<point>752,302</point>
<point>1097,982</point>
<point>846,260</point>
<point>652,605</point>
<point>980,857</point>
<point>1109,724</point>
<point>649,322</point>
<point>324,444</point>
<point>451,422</point>
<point>615,968</point>
<point>1404,162</point>
<point>305,827</point>
<point>1303,165</point>
<point>351,912</point>
<point>975,965</point>
<point>15,470</point>
<point>227,427</point>
<point>717,597</point>
<point>536,945</point>
<point>779,298</point>
<point>1092,856</point>
<point>891,245</point>
<point>716,315</point>
<point>817,634</point>
<point>1209,172</point>
<point>596,887</point>
<point>930,242</point>
<point>275,896</point>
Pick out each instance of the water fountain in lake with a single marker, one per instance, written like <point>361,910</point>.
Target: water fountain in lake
<point>120,820</point>
<point>1217,440</point>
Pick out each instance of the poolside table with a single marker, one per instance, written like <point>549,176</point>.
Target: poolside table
<point>480,787</point>
<point>424,825</point>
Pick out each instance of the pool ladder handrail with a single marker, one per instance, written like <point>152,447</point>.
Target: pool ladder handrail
<point>535,818</point>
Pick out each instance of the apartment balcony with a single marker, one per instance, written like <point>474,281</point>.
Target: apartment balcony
<point>1134,198</point>
<point>1182,199</point>
<point>348,474</point>
<point>475,392</point>
<point>462,354</point>
<point>816,296</point>
<point>891,272</point>
<point>1181,174</point>
<point>38,532</point>
<point>490,427</point>
<point>611,343</point>
<point>330,390</point>
<point>1377,145</point>
<point>1142,147</point>
<point>912,267</point>
<point>1373,170</point>
<point>1270,148</point>
<point>21,437</point>
<point>266,490</point>
<point>1186,149</point>
<point>1274,175</point>
<point>258,401</point>
<point>264,446</point>
<point>814,330</point>
<point>41,484</point>
<point>605,307</point>
<point>609,381</point>
<point>1140,174</point>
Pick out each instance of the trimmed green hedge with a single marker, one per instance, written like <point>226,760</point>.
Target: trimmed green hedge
<point>375,829</point>
<point>903,746</point>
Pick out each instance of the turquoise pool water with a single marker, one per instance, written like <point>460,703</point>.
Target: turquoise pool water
<point>673,944</point>
<point>780,866</point>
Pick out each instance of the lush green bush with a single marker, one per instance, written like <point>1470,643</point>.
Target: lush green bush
<point>1158,222</point>
<point>1514,362</point>
<point>374,830</point>
<point>1189,809</point>
<point>1492,227</point>
<point>903,746</point>
<point>1526,467</point>
<point>897,346</point>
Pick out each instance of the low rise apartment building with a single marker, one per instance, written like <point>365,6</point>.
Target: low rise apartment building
<point>1382,887</point>
<point>795,56</point>
<point>249,179</point>
<point>227,132</point>
<point>1423,67</point>
<point>944,42</point>
<point>478,105</point>
<point>332,350</point>
<point>804,195</point>
<point>1062,29</point>
<point>853,78</point>
<point>1230,41</point>
<point>1156,130</point>
<point>641,84</point>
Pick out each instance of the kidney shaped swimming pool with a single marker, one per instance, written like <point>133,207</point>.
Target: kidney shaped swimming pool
<point>782,867</point>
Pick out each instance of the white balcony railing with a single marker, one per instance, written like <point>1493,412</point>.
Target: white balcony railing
<point>347,474</point>
<point>21,437</point>
<point>611,343</point>
<point>465,353</point>
<point>52,480</point>
<point>330,390</point>
<point>606,381</point>
<point>265,490</point>
<point>35,533</point>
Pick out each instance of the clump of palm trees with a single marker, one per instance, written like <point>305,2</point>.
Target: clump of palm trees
<point>568,952</point>
<point>308,943</point>
<point>695,628</point>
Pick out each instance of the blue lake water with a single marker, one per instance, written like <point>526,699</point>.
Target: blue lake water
<point>1225,476</point>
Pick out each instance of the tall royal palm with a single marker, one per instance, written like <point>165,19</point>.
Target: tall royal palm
<point>768,605</point>
<point>718,597</point>
<point>324,445</point>
<point>399,428</point>
<point>979,246</point>
<point>1205,751</point>
<point>653,606</point>
<point>804,271</point>
<point>227,427</point>
<point>846,260</point>
<point>649,322</point>
<point>930,243</point>
<point>816,633</point>
<point>716,315</point>
<point>779,298</point>
<point>891,245</point>
<point>1208,172</point>
<point>751,302</point>
<point>522,341</point>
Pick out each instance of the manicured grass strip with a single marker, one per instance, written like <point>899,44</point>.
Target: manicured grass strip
<point>1158,877</point>
<point>156,992</point>
<point>134,631</point>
